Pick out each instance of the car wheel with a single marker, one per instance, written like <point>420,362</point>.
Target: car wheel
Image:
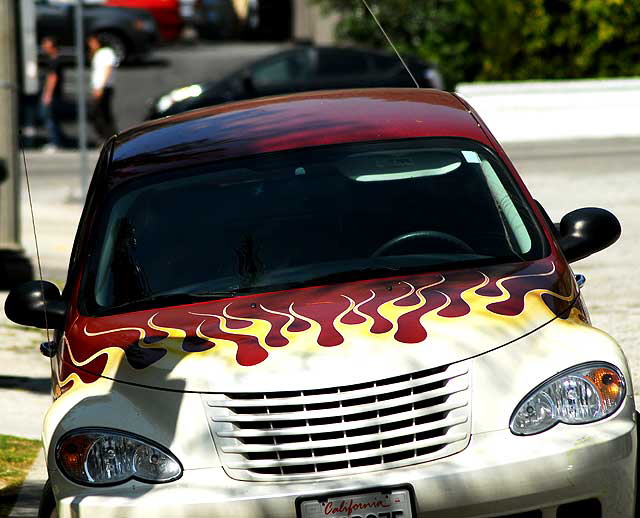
<point>116,43</point>
<point>47,508</point>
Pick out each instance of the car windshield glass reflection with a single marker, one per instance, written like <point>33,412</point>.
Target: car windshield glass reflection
<point>307,217</point>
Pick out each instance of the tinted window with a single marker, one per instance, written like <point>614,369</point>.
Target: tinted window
<point>309,216</point>
<point>342,62</point>
<point>292,66</point>
<point>385,63</point>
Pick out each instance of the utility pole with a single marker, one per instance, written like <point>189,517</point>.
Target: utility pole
<point>81,101</point>
<point>15,268</point>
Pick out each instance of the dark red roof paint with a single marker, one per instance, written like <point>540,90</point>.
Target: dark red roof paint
<point>291,121</point>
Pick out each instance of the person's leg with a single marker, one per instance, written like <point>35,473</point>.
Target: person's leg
<point>58,137</point>
<point>110,124</point>
<point>54,133</point>
<point>97,118</point>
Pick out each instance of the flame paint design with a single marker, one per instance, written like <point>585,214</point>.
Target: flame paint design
<point>249,330</point>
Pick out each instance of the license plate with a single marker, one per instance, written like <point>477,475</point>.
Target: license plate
<point>383,503</point>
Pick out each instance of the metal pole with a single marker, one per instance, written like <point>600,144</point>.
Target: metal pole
<point>28,45</point>
<point>82,102</point>
<point>14,266</point>
<point>9,192</point>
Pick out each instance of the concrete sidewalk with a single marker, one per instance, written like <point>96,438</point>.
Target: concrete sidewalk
<point>55,182</point>
<point>24,372</point>
<point>24,378</point>
<point>25,386</point>
<point>25,395</point>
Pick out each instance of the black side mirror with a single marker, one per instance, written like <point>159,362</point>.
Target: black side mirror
<point>26,305</point>
<point>586,231</point>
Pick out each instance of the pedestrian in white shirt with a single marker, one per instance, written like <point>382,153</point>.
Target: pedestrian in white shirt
<point>103,63</point>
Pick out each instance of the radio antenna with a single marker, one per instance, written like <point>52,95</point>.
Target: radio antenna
<point>35,237</point>
<point>390,43</point>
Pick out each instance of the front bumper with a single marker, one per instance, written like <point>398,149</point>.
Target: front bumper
<point>498,474</point>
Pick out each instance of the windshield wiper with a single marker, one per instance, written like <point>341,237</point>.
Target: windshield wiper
<point>176,299</point>
<point>221,294</point>
<point>359,274</point>
<point>382,272</point>
<point>169,299</point>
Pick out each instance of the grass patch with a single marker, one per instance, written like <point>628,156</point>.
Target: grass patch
<point>16,457</point>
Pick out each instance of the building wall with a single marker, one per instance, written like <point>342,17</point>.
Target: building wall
<point>310,23</point>
<point>241,7</point>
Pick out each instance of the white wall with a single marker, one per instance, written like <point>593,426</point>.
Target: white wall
<point>549,110</point>
<point>311,23</point>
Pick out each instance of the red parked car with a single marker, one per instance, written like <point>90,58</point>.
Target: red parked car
<point>165,12</point>
<point>328,305</point>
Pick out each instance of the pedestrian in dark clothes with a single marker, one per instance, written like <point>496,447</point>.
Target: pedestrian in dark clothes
<point>51,100</point>
<point>103,64</point>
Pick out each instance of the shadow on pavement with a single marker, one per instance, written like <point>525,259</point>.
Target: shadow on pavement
<point>147,62</point>
<point>37,385</point>
<point>29,493</point>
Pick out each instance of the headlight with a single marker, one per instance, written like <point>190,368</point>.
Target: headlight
<point>100,457</point>
<point>164,103</point>
<point>178,95</point>
<point>582,394</point>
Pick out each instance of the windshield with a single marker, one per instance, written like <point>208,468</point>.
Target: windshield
<point>306,217</point>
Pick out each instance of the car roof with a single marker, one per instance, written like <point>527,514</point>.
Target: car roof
<point>287,48</point>
<point>410,58</point>
<point>290,121</point>
<point>292,47</point>
<point>241,70</point>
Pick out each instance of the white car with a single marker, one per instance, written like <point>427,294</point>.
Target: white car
<point>339,304</point>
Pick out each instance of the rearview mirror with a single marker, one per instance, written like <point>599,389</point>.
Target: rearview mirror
<point>586,231</point>
<point>26,305</point>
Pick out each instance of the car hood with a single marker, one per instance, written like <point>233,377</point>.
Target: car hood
<point>317,337</point>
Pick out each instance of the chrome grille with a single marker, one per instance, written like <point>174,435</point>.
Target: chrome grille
<point>342,430</point>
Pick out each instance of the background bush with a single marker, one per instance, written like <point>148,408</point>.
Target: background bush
<point>494,40</point>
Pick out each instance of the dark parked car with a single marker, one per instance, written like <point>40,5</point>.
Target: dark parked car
<point>129,32</point>
<point>215,19</point>
<point>299,69</point>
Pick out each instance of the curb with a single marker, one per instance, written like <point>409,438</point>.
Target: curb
<point>28,501</point>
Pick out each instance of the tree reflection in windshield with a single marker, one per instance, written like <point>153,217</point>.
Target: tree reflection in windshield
<point>250,267</point>
<point>129,279</point>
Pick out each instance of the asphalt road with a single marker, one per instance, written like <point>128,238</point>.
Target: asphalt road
<point>601,173</point>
